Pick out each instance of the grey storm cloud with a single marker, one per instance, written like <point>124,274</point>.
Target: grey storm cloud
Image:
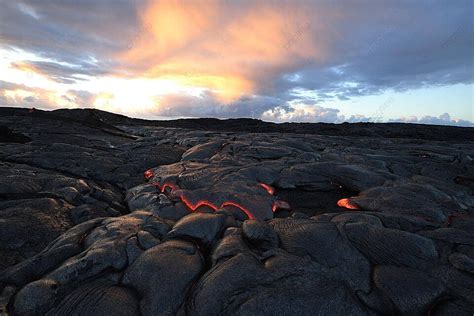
<point>390,45</point>
<point>74,32</point>
<point>68,73</point>
<point>206,105</point>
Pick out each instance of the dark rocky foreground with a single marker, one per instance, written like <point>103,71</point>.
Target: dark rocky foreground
<point>106,215</point>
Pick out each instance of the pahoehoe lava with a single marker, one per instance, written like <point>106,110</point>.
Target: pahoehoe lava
<point>101,214</point>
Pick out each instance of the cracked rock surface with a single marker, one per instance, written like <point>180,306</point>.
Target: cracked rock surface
<point>102,214</point>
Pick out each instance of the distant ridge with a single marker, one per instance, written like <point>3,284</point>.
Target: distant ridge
<point>110,122</point>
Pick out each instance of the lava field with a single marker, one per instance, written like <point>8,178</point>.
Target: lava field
<point>102,214</point>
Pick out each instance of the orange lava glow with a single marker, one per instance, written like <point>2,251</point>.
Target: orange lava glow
<point>163,187</point>
<point>194,207</point>
<point>346,203</point>
<point>267,187</point>
<point>168,185</point>
<point>280,205</point>
<point>148,174</point>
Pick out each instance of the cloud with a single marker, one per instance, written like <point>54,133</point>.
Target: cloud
<point>222,46</point>
<point>208,105</point>
<point>444,119</point>
<point>19,95</point>
<point>68,30</point>
<point>314,113</point>
<point>303,113</point>
<point>204,105</point>
<point>247,58</point>
<point>60,72</point>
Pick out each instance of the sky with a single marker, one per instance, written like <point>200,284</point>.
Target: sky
<point>299,61</point>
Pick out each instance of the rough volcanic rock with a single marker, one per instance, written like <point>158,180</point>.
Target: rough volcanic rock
<point>162,275</point>
<point>411,291</point>
<point>8,136</point>
<point>390,246</point>
<point>324,243</point>
<point>260,234</point>
<point>62,248</point>
<point>279,284</point>
<point>36,298</point>
<point>100,297</point>
<point>202,227</point>
<point>102,214</point>
<point>462,262</point>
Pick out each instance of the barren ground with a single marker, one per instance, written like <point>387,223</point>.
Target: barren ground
<point>106,215</point>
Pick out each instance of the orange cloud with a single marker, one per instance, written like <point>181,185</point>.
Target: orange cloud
<point>23,66</point>
<point>167,26</point>
<point>221,46</point>
<point>35,97</point>
<point>216,51</point>
<point>29,68</point>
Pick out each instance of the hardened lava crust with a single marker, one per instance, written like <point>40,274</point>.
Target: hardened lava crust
<point>101,214</point>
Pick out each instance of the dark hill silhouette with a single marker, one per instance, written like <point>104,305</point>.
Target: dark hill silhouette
<point>109,122</point>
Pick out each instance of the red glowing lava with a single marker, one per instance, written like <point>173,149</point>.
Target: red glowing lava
<point>168,185</point>
<point>243,209</point>
<point>267,187</point>
<point>277,205</point>
<point>194,207</point>
<point>148,174</point>
<point>280,205</point>
<point>163,187</point>
<point>346,203</point>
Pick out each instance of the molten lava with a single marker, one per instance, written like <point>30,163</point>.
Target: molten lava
<point>168,185</point>
<point>148,174</point>
<point>267,187</point>
<point>194,207</point>
<point>346,203</point>
<point>280,205</point>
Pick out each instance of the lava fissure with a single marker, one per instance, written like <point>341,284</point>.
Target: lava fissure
<point>348,204</point>
<point>195,206</point>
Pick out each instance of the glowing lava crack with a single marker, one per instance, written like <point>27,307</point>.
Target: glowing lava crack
<point>251,202</point>
<point>346,203</point>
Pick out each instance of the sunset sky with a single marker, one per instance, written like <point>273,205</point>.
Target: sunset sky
<point>310,61</point>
